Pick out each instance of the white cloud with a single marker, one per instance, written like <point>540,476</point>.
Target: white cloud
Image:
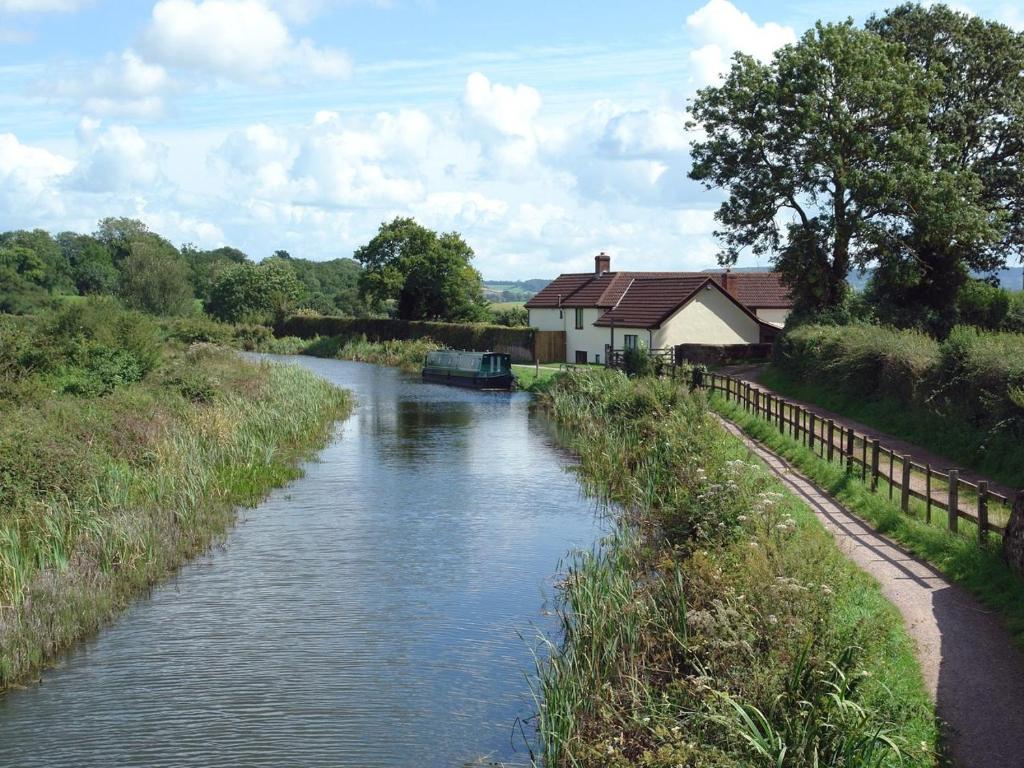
<point>29,179</point>
<point>724,29</point>
<point>235,39</point>
<point>122,85</point>
<point>41,6</point>
<point>116,160</point>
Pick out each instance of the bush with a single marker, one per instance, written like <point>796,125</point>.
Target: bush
<point>637,362</point>
<point>199,329</point>
<point>972,375</point>
<point>983,305</point>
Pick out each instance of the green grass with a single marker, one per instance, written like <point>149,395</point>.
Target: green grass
<point>718,625</point>
<point>498,306</point>
<point>993,454</point>
<point>958,555</point>
<point>106,490</point>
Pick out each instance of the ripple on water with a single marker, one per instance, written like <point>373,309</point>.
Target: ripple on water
<point>367,615</point>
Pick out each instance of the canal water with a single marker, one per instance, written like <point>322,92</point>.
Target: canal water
<point>379,611</point>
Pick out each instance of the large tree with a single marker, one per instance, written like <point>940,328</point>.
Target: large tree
<point>425,276</point>
<point>254,292</point>
<point>976,135</point>
<point>821,151</point>
<point>155,279</point>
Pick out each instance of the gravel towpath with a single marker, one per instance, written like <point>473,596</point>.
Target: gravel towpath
<point>972,668</point>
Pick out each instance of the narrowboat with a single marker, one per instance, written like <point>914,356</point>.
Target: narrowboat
<point>480,370</point>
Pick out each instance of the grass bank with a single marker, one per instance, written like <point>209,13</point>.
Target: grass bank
<point>121,456</point>
<point>959,555</point>
<point>719,625</point>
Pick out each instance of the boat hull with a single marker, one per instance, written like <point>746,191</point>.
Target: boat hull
<point>505,382</point>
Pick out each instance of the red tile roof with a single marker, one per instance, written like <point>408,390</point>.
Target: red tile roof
<point>650,301</point>
<point>562,286</point>
<point>758,290</point>
<point>755,290</point>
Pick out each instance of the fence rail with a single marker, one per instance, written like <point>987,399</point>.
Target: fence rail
<point>881,467</point>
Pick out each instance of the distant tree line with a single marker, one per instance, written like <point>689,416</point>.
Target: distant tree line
<point>898,145</point>
<point>405,271</point>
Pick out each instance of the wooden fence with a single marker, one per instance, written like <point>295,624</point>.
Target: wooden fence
<point>549,346</point>
<point>884,470</point>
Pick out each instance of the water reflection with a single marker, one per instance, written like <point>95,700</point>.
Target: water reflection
<point>368,615</point>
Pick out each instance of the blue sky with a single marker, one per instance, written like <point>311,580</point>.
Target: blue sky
<point>543,131</point>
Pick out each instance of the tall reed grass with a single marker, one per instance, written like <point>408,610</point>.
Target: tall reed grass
<point>101,496</point>
<point>718,625</point>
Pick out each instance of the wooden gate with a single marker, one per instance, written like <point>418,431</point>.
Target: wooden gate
<point>549,346</point>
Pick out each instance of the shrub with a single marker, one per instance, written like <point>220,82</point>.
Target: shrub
<point>637,362</point>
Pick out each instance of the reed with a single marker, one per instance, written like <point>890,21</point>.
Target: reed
<point>718,625</point>
<point>103,495</point>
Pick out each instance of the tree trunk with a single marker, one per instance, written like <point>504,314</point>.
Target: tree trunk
<point>1013,540</point>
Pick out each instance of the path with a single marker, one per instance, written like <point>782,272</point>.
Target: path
<point>752,373</point>
<point>971,666</point>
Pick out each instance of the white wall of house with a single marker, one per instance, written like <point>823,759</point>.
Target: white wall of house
<point>588,339</point>
<point>773,315</point>
<point>708,318</point>
<point>546,320</point>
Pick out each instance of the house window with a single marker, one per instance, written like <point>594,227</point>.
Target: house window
<point>629,341</point>
<point>579,318</point>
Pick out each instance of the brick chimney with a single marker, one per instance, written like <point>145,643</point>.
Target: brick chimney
<point>729,282</point>
<point>602,263</point>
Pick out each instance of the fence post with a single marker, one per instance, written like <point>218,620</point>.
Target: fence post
<point>892,456</point>
<point>728,387</point>
<point>864,459</point>
<point>810,432</point>
<point>782,415</point>
<point>831,439</point>
<point>905,486</point>
<point>954,500</point>
<point>928,493</point>
<point>982,511</point>
<point>874,465</point>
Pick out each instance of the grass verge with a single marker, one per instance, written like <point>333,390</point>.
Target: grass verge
<point>959,555</point>
<point>719,625</point>
<point>110,482</point>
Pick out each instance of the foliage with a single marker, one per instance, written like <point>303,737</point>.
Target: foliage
<point>331,287</point>
<point>513,317</point>
<point>104,491</point>
<point>829,138</point>
<point>254,293</point>
<point>960,397</point>
<point>637,362</point>
<point>517,342</point>
<point>718,625</point>
<point>206,266</point>
<point>983,305</point>
<point>976,129</point>
<point>154,279</point>
<point>425,275</point>
<point>407,354</point>
<point>36,258</point>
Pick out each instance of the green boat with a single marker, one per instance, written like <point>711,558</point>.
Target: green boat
<point>479,370</point>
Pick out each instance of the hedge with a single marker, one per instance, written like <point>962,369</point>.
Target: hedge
<point>517,342</point>
<point>977,376</point>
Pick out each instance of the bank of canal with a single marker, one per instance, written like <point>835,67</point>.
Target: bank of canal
<point>367,615</point>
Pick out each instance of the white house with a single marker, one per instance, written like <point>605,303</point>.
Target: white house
<point>607,310</point>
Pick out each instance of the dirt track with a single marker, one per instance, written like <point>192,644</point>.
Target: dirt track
<point>971,666</point>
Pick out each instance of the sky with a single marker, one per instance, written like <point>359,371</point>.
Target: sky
<point>543,131</point>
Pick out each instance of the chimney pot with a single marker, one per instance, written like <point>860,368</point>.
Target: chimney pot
<point>602,263</point>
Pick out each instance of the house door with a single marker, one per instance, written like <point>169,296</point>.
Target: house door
<point>581,357</point>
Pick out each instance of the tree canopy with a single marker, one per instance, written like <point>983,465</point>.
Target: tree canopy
<point>817,150</point>
<point>975,127</point>
<point>420,274</point>
<point>254,292</point>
